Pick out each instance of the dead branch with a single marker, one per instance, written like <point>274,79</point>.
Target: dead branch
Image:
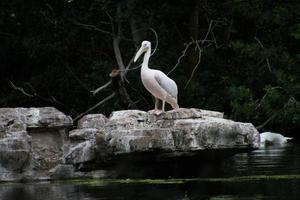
<point>156,40</point>
<point>50,99</point>
<point>199,45</point>
<point>291,99</point>
<point>267,59</point>
<point>266,122</point>
<point>118,77</point>
<point>95,106</point>
<point>20,90</point>
<point>116,40</point>
<point>118,55</point>
<point>266,94</point>
<point>119,86</point>
<point>181,56</point>
<point>89,27</point>
<point>196,66</point>
<point>99,89</point>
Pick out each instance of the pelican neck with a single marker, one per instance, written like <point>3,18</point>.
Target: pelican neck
<point>146,59</point>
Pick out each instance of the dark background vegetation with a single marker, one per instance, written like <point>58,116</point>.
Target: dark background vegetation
<point>58,51</point>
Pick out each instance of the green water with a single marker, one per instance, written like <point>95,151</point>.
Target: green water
<point>272,173</point>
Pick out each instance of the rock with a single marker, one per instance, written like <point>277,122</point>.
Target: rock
<point>141,140</point>
<point>12,120</point>
<point>68,172</point>
<point>95,146</point>
<point>82,152</point>
<point>183,113</point>
<point>45,117</point>
<point>92,121</point>
<point>47,147</point>
<point>127,114</point>
<point>32,141</point>
<point>186,135</point>
<point>34,117</point>
<point>15,154</point>
<point>83,134</point>
<point>62,172</point>
<point>214,133</point>
<point>126,119</point>
<point>176,133</point>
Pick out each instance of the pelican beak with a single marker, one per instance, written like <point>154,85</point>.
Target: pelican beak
<point>139,53</point>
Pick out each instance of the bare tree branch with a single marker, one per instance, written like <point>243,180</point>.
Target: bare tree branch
<point>50,99</point>
<point>267,59</point>
<point>89,27</point>
<point>196,66</point>
<point>181,56</point>
<point>118,86</point>
<point>20,90</point>
<point>267,121</point>
<point>116,40</point>
<point>291,99</point>
<point>99,89</point>
<point>95,106</point>
<point>266,94</point>
<point>199,45</point>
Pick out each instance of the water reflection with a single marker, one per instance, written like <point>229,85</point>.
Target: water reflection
<point>274,160</point>
<point>188,191</point>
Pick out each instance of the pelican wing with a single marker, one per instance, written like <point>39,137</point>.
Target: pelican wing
<point>166,83</point>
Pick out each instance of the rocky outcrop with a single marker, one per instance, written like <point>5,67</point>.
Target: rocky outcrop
<point>176,133</point>
<point>31,141</point>
<point>36,143</point>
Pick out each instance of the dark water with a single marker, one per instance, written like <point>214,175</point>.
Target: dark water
<point>271,161</point>
<point>275,160</point>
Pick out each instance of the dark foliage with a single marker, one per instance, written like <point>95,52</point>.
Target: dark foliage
<point>61,50</point>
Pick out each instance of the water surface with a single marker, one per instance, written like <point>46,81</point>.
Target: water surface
<point>267,173</point>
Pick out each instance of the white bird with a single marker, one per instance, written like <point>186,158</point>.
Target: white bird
<point>155,81</point>
<point>269,138</point>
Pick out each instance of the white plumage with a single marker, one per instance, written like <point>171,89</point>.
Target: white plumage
<point>269,138</point>
<point>155,81</point>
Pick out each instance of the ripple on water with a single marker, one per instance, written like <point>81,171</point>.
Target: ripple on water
<point>266,161</point>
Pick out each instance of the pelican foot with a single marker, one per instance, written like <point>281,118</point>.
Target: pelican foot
<point>156,112</point>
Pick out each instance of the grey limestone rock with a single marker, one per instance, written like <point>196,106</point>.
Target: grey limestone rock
<point>180,130</point>
<point>92,121</point>
<point>35,143</point>
<point>31,141</point>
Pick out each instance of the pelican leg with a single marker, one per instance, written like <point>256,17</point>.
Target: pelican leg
<point>163,105</point>
<point>157,111</point>
<point>156,104</point>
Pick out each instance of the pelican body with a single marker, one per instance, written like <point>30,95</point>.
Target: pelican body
<point>269,138</point>
<point>156,82</point>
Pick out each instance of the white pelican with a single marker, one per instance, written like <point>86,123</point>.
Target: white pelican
<point>155,81</point>
<point>269,138</point>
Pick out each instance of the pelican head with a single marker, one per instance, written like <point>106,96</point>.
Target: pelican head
<point>146,45</point>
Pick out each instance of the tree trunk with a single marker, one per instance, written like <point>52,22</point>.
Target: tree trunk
<point>121,72</point>
<point>119,87</point>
